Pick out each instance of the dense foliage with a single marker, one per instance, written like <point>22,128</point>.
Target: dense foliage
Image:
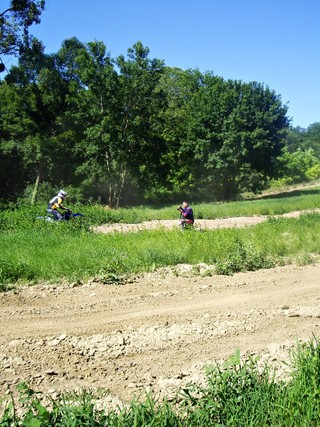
<point>14,25</point>
<point>130,128</point>
<point>300,160</point>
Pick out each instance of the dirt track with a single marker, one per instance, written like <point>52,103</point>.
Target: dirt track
<point>241,221</point>
<point>156,333</point>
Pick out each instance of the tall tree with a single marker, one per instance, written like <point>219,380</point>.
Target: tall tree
<point>15,126</point>
<point>41,94</point>
<point>177,160</point>
<point>93,109</point>
<point>140,121</point>
<point>237,134</point>
<point>118,105</point>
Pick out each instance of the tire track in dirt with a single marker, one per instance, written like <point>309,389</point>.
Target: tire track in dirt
<point>155,333</point>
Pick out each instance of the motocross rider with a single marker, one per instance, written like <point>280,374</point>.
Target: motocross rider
<point>55,203</point>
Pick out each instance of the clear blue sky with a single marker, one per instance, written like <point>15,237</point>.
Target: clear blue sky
<point>275,42</point>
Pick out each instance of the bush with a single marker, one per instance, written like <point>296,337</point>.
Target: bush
<point>313,172</point>
<point>243,257</point>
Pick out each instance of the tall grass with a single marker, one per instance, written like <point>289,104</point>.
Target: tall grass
<point>238,394</point>
<point>56,251</point>
<point>34,250</point>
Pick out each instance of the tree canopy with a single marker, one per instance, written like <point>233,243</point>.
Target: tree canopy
<point>15,22</point>
<point>131,128</point>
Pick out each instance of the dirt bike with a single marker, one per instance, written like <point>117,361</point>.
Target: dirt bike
<point>67,216</point>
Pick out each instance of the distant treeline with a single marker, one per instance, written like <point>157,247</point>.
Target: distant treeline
<point>132,130</point>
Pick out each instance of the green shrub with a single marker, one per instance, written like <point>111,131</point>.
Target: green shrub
<point>313,172</point>
<point>243,257</point>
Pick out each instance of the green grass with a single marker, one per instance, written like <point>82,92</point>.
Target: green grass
<point>238,394</point>
<point>25,216</point>
<point>56,252</point>
<point>33,250</point>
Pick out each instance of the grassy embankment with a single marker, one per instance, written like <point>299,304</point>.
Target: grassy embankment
<point>33,250</point>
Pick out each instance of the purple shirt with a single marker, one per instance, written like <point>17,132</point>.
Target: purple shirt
<point>187,213</point>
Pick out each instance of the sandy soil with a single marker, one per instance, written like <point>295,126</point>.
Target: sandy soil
<point>156,333</point>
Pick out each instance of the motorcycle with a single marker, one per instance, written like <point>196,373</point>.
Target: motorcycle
<point>67,216</point>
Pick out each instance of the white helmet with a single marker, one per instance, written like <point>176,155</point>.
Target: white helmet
<point>62,193</point>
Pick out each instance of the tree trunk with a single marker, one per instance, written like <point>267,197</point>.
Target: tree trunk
<point>115,189</point>
<point>35,189</point>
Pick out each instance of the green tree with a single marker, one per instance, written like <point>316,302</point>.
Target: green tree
<point>294,139</point>
<point>114,111</point>
<point>301,157</point>
<point>15,126</point>
<point>176,173</point>
<point>141,102</point>
<point>40,100</point>
<point>304,138</point>
<point>15,22</point>
<point>298,166</point>
<point>93,111</point>
<point>312,138</point>
<point>237,133</point>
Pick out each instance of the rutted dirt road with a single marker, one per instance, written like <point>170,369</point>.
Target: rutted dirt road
<point>155,333</point>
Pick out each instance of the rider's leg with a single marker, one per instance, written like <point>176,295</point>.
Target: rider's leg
<point>57,215</point>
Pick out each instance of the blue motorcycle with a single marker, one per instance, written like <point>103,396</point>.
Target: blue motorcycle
<point>67,216</point>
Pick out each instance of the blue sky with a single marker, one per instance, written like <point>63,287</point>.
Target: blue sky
<point>275,42</point>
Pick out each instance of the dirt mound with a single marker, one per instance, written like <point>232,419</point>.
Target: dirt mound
<point>156,333</point>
